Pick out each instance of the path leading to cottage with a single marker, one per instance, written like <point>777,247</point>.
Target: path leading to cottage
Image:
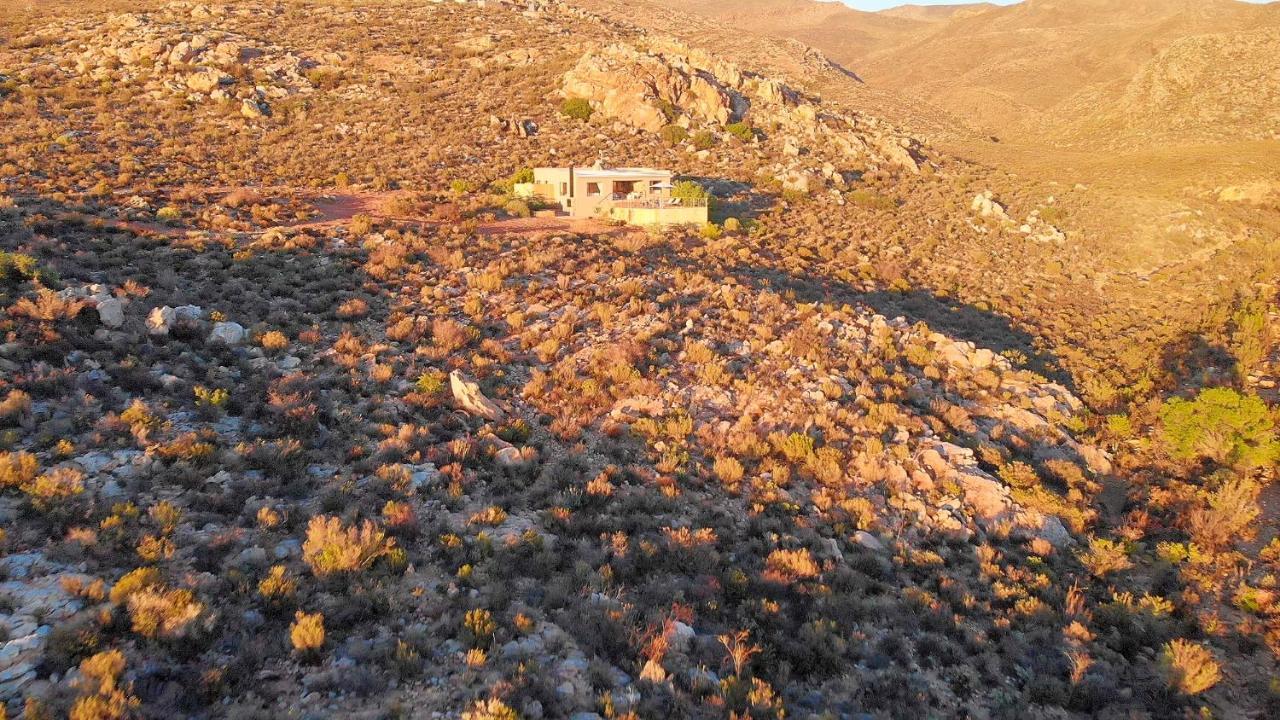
<point>334,209</point>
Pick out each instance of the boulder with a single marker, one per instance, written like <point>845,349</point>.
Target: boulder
<point>985,206</point>
<point>797,180</point>
<point>182,53</point>
<point>163,319</point>
<point>868,541</point>
<point>111,312</point>
<point>467,395</point>
<point>207,80</point>
<point>509,457</point>
<point>228,333</point>
<point>160,320</point>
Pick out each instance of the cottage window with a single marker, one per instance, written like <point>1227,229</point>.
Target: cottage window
<point>593,188</point>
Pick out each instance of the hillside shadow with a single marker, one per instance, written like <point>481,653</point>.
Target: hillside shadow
<point>1192,361</point>
<point>957,320</point>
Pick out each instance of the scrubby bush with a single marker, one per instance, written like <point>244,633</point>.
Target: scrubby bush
<point>273,341</point>
<point>576,108</point>
<point>1227,514</point>
<point>489,709</point>
<point>704,140</point>
<point>16,268</point>
<point>673,134</point>
<point>306,634</point>
<point>430,383</point>
<point>788,566</point>
<point>518,208</point>
<point>1104,557</point>
<point>741,130</point>
<point>667,108</point>
<point>157,612</point>
<point>1220,424</point>
<point>1187,667</point>
<point>863,197</point>
<point>690,191</point>
<point>332,548</point>
<point>17,469</point>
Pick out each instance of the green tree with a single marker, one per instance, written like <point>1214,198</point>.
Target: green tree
<point>1220,424</point>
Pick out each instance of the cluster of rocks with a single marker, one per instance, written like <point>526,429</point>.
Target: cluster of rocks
<point>160,320</point>
<point>179,50</point>
<point>985,207</point>
<point>36,598</point>
<point>520,127</point>
<point>669,83</point>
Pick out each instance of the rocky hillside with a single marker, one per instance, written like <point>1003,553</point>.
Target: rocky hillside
<point>303,413</point>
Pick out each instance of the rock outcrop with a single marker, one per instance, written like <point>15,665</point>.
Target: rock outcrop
<point>669,83</point>
<point>632,86</point>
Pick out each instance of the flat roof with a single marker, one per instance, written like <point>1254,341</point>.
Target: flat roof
<point>608,173</point>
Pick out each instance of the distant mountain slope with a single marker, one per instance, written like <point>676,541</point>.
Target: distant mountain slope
<point>849,35</point>
<point>1224,86</point>
<point>1022,66</point>
<point>936,13</point>
<point>1060,69</point>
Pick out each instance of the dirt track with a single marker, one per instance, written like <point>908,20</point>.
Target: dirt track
<point>339,208</point>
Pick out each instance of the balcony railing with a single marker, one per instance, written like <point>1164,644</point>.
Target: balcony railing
<point>656,203</point>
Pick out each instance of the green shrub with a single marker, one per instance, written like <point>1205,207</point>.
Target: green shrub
<point>732,225</point>
<point>869,199</point>
<point>690,191</point>
<point>668,109</point>
<point>576,108</point>
<point>1250,336</point>
<point>1220,424</point>
<point>430,383</point>
<point>704,140</point>
<point>673,134</point>
<point>523,175</point>
<point>710,231</point>
<point>461,187</point>
<point>518,208</point>
<point>741,130</point>
<point>16,268</point>
<point>1120,426</point>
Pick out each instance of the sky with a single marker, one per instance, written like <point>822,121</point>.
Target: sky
<point>882,4</point>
